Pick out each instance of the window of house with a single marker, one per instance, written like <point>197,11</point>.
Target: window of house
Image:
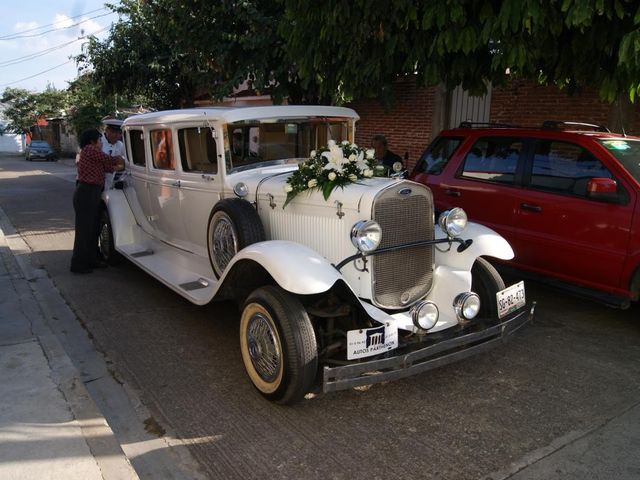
<point>564,168</point>
<point>493,159</point>
<point>438,154</point>
<point>136,145</point>
<point>198,152</point>
<point>162,149</point>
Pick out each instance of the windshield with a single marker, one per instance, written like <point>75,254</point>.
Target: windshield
<point>258,143</point>
<point>627,152</point>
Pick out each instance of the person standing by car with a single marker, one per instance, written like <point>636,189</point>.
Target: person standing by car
<point>383,154</point>
<point>92,166</point>
<point>112,144</point>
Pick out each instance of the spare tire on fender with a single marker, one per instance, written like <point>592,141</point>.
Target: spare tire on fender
<point>233,224</point>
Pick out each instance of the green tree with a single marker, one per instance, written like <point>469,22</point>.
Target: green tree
<point>173,51</point>
<point>359,48</point>
<point>23,108</point>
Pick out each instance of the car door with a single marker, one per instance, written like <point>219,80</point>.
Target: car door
<point>164,188</point>
<point>136,186</point>
<point>200,184</point>
<point>485,181</point>
<point>559,229</point>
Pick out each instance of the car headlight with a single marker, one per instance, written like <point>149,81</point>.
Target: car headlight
<point>467,305</point>
<point>241,189</point>
<point>424,315</point>
<point>366,235</point>
<point>453,221</point>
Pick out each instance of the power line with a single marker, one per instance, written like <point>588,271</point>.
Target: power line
<point>34,55</point>
<point>35,75</point>
<point>55,29</point>
<point>50,24</point>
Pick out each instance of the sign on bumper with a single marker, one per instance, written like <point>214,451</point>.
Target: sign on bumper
<point>371,341</point>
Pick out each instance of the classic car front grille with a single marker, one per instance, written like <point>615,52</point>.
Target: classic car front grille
<point>403,276</point>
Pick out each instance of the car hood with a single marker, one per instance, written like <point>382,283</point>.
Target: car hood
<point>268,184</point>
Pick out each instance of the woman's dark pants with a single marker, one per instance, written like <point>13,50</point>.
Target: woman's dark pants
<point>86,203</point>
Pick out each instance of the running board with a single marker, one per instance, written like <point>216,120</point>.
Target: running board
<point>188,274</point>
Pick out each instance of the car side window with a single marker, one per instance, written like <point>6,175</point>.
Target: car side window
<point>493,159</point>
<point>198,152</point>
<point>438,154</point>
<point>564,168</point>
<point>162,149</point>
<point>136,145</point>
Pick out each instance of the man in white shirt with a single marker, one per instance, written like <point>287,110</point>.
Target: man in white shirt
<point>112,145</point>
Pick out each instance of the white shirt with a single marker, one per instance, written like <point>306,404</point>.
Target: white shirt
<point>115,150</point>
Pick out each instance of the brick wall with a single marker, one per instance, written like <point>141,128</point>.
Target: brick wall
<point>407,126</point>
<point>528,104</point>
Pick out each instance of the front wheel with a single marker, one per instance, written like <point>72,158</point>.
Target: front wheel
<point>278,345</point>
<point>486,282</point>
<point>105,240</point>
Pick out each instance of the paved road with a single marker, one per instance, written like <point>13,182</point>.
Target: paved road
<point>576,368</point>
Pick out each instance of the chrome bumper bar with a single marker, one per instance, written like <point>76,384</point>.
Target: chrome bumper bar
<point>427,358</point>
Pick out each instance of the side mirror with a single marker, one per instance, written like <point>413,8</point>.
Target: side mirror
<point>603,189</point>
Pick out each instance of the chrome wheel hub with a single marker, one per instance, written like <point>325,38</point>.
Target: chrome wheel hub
<point>264,351</point>
<point>224,241</point>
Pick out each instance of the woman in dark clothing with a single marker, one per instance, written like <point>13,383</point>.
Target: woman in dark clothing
<point>92,165</point>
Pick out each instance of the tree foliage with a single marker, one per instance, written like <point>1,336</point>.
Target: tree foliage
<point>333,51</point>
<point>23,108</point>
<point>173,51</point>
<point>359,48</point>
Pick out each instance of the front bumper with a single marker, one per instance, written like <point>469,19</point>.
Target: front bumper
<point>464,345</point>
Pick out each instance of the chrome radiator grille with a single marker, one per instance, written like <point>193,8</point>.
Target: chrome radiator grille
<point>404,276</point>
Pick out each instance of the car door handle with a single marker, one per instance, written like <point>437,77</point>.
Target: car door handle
<point>531,208</point>
<point>176,184</point>
<point>452,193</point>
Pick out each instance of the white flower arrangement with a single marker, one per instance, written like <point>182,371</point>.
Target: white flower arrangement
<point>335,165</point>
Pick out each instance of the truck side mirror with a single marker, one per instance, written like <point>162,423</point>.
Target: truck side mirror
<point>603,189</point>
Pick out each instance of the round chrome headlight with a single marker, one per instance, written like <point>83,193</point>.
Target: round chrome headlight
<point>453,221</point>
<point>467,305</point>
<point>424,315</point>
<point>241,189</point>
<point>366,235</point>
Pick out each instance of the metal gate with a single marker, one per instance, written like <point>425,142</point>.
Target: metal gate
<point>465,107</point>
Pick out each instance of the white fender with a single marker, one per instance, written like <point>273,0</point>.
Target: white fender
<point>123,223</point>
<point>295,267</point>
<point>486,242</point>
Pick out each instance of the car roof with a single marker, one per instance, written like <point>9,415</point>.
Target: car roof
<point>533,132</point>
<point>235,114</point>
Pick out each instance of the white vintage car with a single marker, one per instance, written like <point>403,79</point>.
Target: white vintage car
<point>360,288</point>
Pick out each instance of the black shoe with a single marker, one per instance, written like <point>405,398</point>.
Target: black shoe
<point>81,270</point>
<point>100,264</point>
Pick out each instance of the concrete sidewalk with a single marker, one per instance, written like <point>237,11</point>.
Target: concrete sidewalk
<point>49,425</point>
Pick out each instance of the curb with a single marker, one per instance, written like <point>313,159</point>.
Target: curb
<point>101,440</point>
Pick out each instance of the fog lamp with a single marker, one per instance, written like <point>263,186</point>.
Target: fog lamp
<point>424,315</point>
<point>366,235</point>
<point>467,305</point>
<point>453,221</point>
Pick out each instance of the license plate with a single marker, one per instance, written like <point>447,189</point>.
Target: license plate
<point>371,341</point>
<point>510,299</point>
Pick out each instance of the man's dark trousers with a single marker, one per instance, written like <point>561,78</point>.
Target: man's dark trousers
<point>86,203</point>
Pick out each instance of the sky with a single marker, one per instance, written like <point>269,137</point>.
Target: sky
<point>41,35</point>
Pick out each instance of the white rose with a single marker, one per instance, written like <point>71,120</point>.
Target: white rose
<point>312,183</point>
<point>332,176</point>
<point>345,142</point>
<point>368,173</point>
<point>352,157</point>
<point>353,177</point>
<point>331,143</point>
<point>371,153</point>
<point>312,154</point>
<point>288,188</point>
<point>353,145</point>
